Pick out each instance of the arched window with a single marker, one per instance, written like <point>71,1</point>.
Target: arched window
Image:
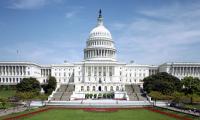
<point>111,88</point>
<point>117,88</point>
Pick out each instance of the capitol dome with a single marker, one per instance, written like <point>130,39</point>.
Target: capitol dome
<point>100,45</point>
<point>100,31</point>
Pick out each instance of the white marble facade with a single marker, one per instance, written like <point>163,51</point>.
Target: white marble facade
<point>181,69</point>
<point>99,71</point>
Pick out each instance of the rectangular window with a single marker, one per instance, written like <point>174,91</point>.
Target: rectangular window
<point>82,88</point>
<point>89,71</point>
<point>100,70</point>
<point>104,71</point>
<point>95,71</point>
<point>110,71</point>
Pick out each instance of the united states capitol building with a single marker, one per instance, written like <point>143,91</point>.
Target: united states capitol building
<point>99,72</point>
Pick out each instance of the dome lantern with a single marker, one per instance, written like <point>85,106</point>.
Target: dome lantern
<point>100,19</point>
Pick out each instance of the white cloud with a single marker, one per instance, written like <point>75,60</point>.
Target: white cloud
<point>118,26</point>
<point>73,11</point>
<point>27,4</point>
<point>164,34</point>
<point>70,14</point>
<point>30,4</point>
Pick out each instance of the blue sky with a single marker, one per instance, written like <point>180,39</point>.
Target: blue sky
<point>146,31</point>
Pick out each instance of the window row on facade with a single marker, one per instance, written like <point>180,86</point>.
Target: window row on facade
<point>45,72</point>
<point>99,42</point>
<point>99,53</point>
<point>133,74</point>
<point>185,70</point>
<point>10,80</point>
<point>99,33</point>
<point>59,74</point>
<point>13,70</point>
<point>100,70</point>
<point>62,69</point>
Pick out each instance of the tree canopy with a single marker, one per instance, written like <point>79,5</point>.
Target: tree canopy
<point>29,85</point>
<point>191,85</point>
<point>162,82</point>
<point>51,85</point>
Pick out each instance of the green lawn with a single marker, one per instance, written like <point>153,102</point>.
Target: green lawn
<point>7,93</point>
<point>67,114</point>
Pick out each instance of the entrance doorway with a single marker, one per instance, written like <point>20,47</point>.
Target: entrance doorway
<point>99,88</point>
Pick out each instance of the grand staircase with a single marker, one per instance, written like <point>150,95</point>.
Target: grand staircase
<point>63,93</point>
<point>134,92</point>
<point>139,93</point>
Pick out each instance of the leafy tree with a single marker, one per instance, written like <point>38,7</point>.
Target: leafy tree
<point>155,95</point>
<point>191,85</point>
<point>43,97</point>
<point>27,97</point>
<point>29,85</point>
<point>178,97</point>
<point>51,85</point>
<point>195,98</point>
<point>3,102</point>
<point>162,82</point>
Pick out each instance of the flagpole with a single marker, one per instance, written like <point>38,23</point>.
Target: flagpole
<point>17,55</point>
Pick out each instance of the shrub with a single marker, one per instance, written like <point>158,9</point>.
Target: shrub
<point>112,95</point>
<point>104,95</point>
<point>87,96</point>
<point>95,95</point>
<point>91,95</point>
<point>108,95</point>
<point>29,85</point>
<point>99,95</point>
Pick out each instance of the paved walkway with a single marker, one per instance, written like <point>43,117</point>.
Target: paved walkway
<point>183,111</point>
<point>12,110</point>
